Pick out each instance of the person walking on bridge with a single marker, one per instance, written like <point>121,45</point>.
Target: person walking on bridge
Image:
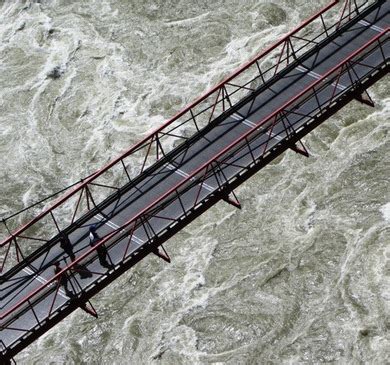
<point>66,245</point>
<point>62,280</point>
<point>101,250</point>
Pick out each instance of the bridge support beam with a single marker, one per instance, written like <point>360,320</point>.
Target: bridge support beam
<point>365,98</point>
<point>301,150</point>
<point>233,200</point>
<point>88,308</point>
<point>162,254</point>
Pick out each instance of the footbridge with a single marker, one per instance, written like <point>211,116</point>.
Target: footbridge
<point>106,223</point>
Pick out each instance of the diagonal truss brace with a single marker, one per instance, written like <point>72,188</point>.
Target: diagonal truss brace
<point>300,149</point>
<point>231,198</point>
<point>365,98</point>
<point>88,308</point>
<point>162,254</point>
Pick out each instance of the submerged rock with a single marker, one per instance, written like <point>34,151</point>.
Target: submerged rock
<point>21,26</point>
<point>55,73</point>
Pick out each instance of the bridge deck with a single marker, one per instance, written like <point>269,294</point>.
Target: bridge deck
<point>159,180</point>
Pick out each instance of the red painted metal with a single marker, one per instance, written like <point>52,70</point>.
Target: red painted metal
<point>347,4</point>
<point>214,105</point>
<point>301,150</point>
<point>281,55</point>
<point>162,255</point>
<point>192,175</point>
<point>233,200</point>
<point>77,205</point>
<point>270,133</point>
<point>366,99</point>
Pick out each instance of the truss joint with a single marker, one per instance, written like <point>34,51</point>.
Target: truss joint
<point>365,98</point>
<point>232,199</point>
<point>162,254</point>
<point>300,149</point>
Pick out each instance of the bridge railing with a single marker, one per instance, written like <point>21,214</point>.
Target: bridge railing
<point>327,90</point>
<point>124,170</point>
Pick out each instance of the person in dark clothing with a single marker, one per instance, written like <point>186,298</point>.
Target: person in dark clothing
<point>94,238</point>
<point>93,235</point>
<point>62,280</point>
<point>66,245</point>
<point>83,271</point>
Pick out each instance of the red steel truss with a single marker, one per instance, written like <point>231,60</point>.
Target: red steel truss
<point>200,174</point>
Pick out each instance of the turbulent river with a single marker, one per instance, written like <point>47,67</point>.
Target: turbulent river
<point>299,275</point>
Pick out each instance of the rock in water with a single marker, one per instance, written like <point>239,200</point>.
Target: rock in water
<point>55,73</point>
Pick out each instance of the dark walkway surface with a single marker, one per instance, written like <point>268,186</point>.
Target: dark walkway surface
<point>158,183</point>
